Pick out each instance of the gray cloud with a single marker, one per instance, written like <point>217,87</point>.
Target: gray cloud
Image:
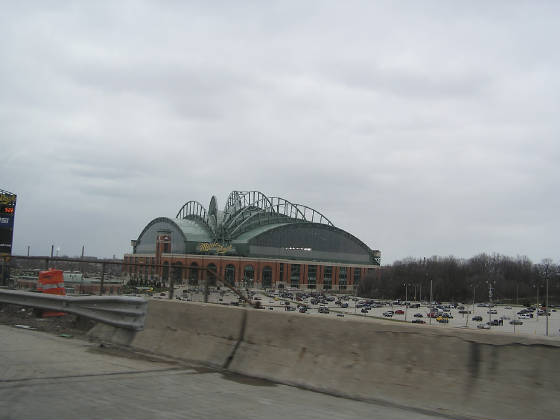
<point>423,128</point>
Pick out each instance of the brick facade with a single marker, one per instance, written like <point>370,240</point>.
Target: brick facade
<point>193,269</point>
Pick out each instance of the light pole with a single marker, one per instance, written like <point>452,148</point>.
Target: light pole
<point>490,306</point>
<point>405,300</point>
<point>546,309</point>
<point>537,287</point>
<point>473,296</point>
<point>431,300</point>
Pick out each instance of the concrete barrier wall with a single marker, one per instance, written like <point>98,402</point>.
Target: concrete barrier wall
<point>461,373</point>
<point>202,333</point>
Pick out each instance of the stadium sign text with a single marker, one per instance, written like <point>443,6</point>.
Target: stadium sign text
<point>214,246</point>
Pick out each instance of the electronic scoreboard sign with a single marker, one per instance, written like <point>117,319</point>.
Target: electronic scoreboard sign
<point>7,214</point>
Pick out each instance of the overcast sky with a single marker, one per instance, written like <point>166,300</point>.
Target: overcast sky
<point>423,128</point>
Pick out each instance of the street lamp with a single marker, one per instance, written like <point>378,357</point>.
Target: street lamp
<point>538,286</point>
<point>473,296</point>
<point>405,299</point>
<point>546,309</point>
<point>546,313</point>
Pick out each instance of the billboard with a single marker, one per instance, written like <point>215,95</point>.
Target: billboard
<point>7,214</point>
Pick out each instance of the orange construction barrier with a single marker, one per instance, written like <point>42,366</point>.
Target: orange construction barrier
<point>52,282</point>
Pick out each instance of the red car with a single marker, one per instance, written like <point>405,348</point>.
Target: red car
<point>399,312</point>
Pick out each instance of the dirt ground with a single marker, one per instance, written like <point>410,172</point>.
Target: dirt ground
<point>70,326</point>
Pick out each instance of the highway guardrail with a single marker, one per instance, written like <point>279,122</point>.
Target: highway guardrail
<point>127,312</point>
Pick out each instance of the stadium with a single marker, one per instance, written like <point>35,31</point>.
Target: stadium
<point>256,241</point>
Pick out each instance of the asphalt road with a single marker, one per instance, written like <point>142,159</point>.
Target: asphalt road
<point>44,376</point>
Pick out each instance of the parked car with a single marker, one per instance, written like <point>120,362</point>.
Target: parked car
<point>516,322</point>
<point>323,310</point>
<point>418,321</point>
<point>364,310</point>
<point>399,312</point>
<point>483,326</point>
<point>507,307</point>
<point>442,320</point>
<point>388,314</point>
<point>492,312</point>
<point>340,315</point>
<point>344,305</point>
<point>477,318</point>
<point>418,315</point>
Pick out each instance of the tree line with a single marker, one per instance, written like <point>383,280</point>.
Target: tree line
<point>508,280</point>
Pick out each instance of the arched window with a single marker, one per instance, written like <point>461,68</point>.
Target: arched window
<point>327,278</point>
<point>312,276</point>
<point>267,277</point>
<point>357,276</point>
<point>177,273</point>
<point>249,276</point>
<point>193,274</point>
<point>294,275</point>
<point>342,278</point>
<point>230,274</point>
<point>165,272</point>
<point>210,273</point>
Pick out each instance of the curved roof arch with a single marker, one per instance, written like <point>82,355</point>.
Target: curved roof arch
<point>192,209</point>
<point>307,241</point>
<point>251,234</point>
<point>256,224</point>
<point>238,200</point>
<point>244,205</point>
<point>158,220</point>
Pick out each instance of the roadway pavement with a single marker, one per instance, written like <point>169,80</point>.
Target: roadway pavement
<point>45,376</point>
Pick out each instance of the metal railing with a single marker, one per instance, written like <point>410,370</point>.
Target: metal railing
<point>127,312</point>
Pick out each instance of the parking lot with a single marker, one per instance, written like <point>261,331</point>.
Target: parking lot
<point>269,302</point>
